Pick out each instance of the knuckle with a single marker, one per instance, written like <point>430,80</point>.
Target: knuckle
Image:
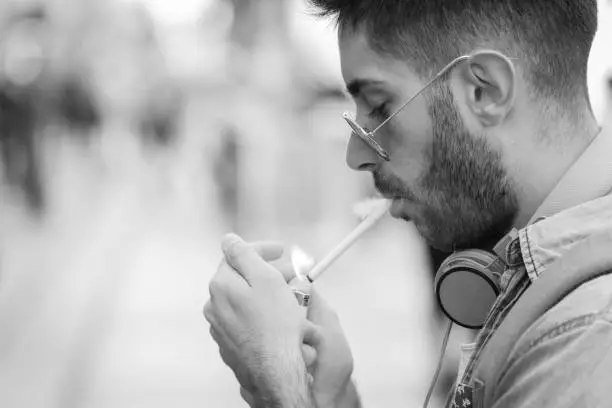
<point>215,287</point>
<point>235,249</point>
<point>247,397</point>
<point>208,312</point>
<point>215,336</point>
<point>225,357</point>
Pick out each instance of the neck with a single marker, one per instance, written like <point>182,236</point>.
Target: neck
<point>554,152</point>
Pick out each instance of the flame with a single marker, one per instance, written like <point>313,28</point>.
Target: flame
<point>301,261</point>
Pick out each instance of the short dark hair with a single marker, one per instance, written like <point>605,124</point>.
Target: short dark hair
<point>551,39</point>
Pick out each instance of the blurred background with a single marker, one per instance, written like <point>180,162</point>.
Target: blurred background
<point>133,135</point>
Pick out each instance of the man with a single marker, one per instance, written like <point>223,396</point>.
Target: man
<point>503,139</point>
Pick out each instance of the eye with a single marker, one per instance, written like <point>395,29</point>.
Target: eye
<point>380,112</point>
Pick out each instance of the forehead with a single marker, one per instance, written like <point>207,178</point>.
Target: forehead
<point>359,61</point>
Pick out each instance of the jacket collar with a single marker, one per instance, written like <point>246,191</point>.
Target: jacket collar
<point>579,206</point>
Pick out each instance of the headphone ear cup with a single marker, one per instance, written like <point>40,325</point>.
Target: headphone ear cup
<point>467,285</point>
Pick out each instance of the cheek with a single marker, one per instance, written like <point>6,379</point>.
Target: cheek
<point>408,153</point>
<point>409,136</point>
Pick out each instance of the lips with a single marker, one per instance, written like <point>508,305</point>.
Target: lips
<point>385,191</point>
<point>389,196</point>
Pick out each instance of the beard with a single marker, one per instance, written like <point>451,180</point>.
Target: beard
<point>465,197</point>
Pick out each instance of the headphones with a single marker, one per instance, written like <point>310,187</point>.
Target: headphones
<point>467,283</point>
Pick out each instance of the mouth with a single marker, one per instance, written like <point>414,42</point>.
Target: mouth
<point>389,196</point>
<point>394,191</point>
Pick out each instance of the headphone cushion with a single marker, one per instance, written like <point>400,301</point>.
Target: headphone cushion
<point>467,285</point>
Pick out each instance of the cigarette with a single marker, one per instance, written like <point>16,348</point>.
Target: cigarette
<point>368,222</point>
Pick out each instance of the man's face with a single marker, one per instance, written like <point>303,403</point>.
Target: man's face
<point>441,176</point>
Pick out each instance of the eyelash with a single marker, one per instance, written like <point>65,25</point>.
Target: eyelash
<point>380,112</point>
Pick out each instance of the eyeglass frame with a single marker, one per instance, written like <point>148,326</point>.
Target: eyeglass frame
<point>368,137</point>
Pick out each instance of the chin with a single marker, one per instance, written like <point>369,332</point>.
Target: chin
<point>434,242</point>
<point>441,247</point>
<point>401,208</point>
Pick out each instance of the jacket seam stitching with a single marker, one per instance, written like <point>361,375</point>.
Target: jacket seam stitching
<point>530,258</point>
<point>556,331</point>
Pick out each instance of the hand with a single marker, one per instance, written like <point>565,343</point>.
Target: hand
<point>257,322</point>
<point>326,353</point>
<point>333,366</point>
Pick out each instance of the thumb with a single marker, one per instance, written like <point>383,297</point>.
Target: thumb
<point>244,258</point>
<point>269,250</point>
<point>320,312</point>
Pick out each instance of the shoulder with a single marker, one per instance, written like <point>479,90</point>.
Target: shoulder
<point>590,302</point>
<point>565,357</point>
<point>588,305</point>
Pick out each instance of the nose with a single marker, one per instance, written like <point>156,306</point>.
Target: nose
<point>360,156</point>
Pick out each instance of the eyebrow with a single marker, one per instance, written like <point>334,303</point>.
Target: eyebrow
<point>355,86</point>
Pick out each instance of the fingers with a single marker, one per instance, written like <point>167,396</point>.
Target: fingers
<point>208,313</point>
<point>285,267</point>
<point>309,354</point>
<point>245,259</point>
<point>225,357</point>
<point>274,253</point>
<point>213,334</point>
<point>226,284</point>
<point>230,278</point>
<point>312,335</point>
<point>320,312</point>
<point>247,397</point>
<point>269,251</point>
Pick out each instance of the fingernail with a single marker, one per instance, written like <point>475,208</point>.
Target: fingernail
<point>229,241</point>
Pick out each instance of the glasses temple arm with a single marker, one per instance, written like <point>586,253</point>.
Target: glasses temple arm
<point>438,75</point>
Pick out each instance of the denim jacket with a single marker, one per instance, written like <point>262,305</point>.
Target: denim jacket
<point>565,358</point>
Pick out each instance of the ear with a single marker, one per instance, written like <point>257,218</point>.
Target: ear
<point>489,79</point>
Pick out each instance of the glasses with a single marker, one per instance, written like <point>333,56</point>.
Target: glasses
<point>368,136</point>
